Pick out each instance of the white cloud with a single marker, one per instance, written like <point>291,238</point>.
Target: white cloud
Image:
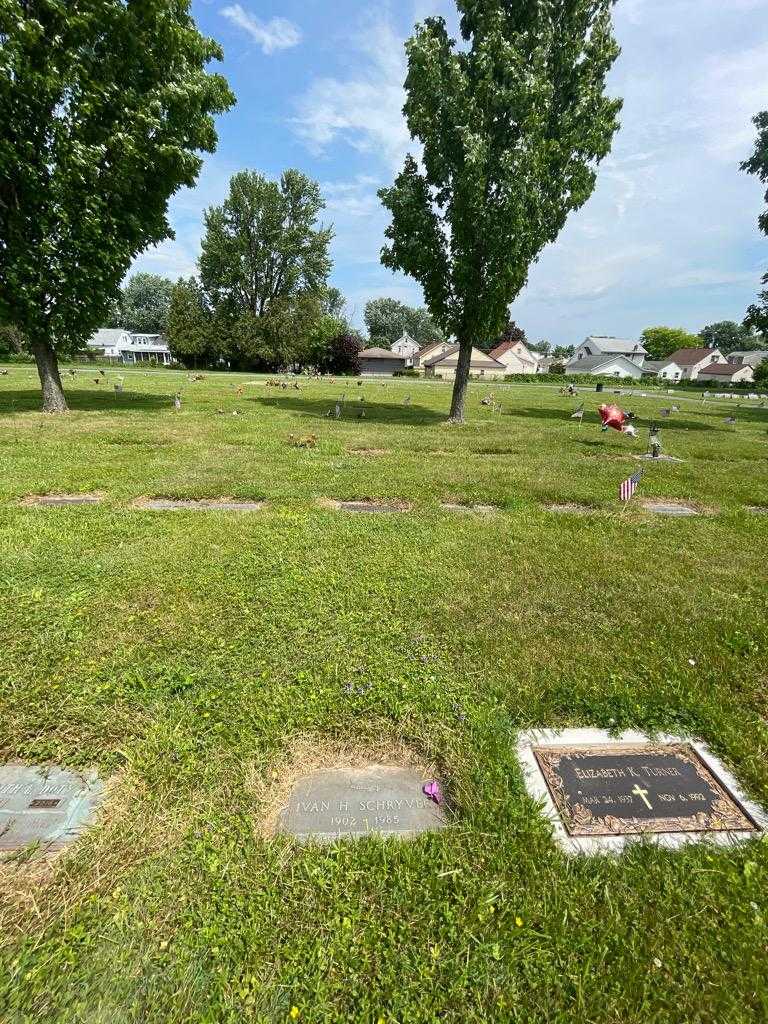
<point>275,34</point>
<point>734,90</point>
<point>364,111</point>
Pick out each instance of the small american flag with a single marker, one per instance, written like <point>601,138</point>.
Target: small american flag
<point>629,486</point>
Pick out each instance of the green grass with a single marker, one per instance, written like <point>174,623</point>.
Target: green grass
<point>184,653</point>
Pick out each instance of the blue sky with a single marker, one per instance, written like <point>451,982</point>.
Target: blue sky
<point>669,236</point>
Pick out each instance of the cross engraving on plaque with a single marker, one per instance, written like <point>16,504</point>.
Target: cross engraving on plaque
<point>643,794</point>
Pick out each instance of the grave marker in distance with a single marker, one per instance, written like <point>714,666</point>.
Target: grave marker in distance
<point>350,803</point>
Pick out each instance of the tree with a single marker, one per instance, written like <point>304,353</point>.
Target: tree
<point>341,355</point>
<point>388,319</point>
<point>511,333</point>
<point>105,107</point>
<point>264,267</point>
<point>757,314</point>
<point>512,121</point>
<point>761,373</point>
<point>543,347</point>
<point>189,324</point>
<point>659,342</point>
<point>143,304</point>
<point>729,336</point>
<point>563,351</point>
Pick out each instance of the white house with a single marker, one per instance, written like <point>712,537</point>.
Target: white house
<point>109,341</point>
<point>727,373</point>
<point>663,369</point>
<point>603,345</point>
<point>433,348</point>
<point>114,343</point>
<point>443,364</point>
<point>689,362</point>
<point>515,356</point>
<point>752,359</point>
<point>405,346</point>
<point>606,365</point>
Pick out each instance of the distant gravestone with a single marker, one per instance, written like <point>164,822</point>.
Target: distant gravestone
<point>64,499</point>
<point>47,806</point>
<point>371,507</point>
<point>667,508</point>
<point>457,506</point>
<point>351,803</point>
<point>605,793</point>
<point>200,505</point>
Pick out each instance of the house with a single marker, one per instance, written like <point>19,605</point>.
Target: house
<point>605,365</point>
<point>428,351</point>
<point>689,362</point>
<point>380,362</point>
<point>515,356</point>
<point>662,368</point>
<point>544,364</point>
<point>108,342</point>
<point>114,343</point>
<point>604,345</point>
<point>752,359</point>
<point>443,364</point>
<point>405,346</point>
<point>727,373</point>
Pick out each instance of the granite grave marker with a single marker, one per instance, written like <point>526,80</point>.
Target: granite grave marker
<point>49,806</point>
<point>350,803</point>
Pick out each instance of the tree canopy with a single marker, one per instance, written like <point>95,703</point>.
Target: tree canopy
<point>105,108</point>
<point>512,332</point>
<point>729,336</point>
<point>143,304</point>
<point>660,342</point>
<point>388,319</point>
<point>756,317</point>
<point>512,121</point>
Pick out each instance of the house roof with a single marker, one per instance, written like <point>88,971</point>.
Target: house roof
<point>655,364</point>
<point>751,358</point>
<point>478,359</point>
<point>505,346</point>
<point>380,353</point>
<point>723,369</point>
<point>615,346</point>
<point>689,356</point>
<point>588,363</point>
<point>106,336</point>
<point>428,348</point>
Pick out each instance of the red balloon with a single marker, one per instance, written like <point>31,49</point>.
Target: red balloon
<point>612,416</point>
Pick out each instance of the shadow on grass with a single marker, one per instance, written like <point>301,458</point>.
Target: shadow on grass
<point>592,420</point>
<point>108,400</point>
<point>375,412</point>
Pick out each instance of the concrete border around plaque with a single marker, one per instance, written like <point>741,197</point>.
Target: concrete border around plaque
<point>349,803</point>
<point>50,806</point>
<point>578,831</point>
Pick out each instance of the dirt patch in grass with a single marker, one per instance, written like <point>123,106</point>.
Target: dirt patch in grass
<point>758,510</point>
<point>310,753</point>
<point>647,457</point>
<point>370,451</point>
<point>198,505</point>
<point>54,500</point>
<point>367,505</point>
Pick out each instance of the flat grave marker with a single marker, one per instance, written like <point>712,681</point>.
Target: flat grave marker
<point>369,507</point>
<point>346,803</point>
<point>45,500</point>
<point>199,505</point>
<point>668,508</point>
<point>458,506</point>
<point>602,792</point>
<point>50,806</point>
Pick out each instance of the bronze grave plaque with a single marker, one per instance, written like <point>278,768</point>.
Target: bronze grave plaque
<point>621,789</point>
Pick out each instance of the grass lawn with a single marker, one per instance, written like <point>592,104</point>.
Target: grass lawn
<point>190,656</point>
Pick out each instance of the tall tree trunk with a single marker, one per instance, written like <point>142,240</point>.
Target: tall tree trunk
<point>461,381</point>
<point>48,371</point>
